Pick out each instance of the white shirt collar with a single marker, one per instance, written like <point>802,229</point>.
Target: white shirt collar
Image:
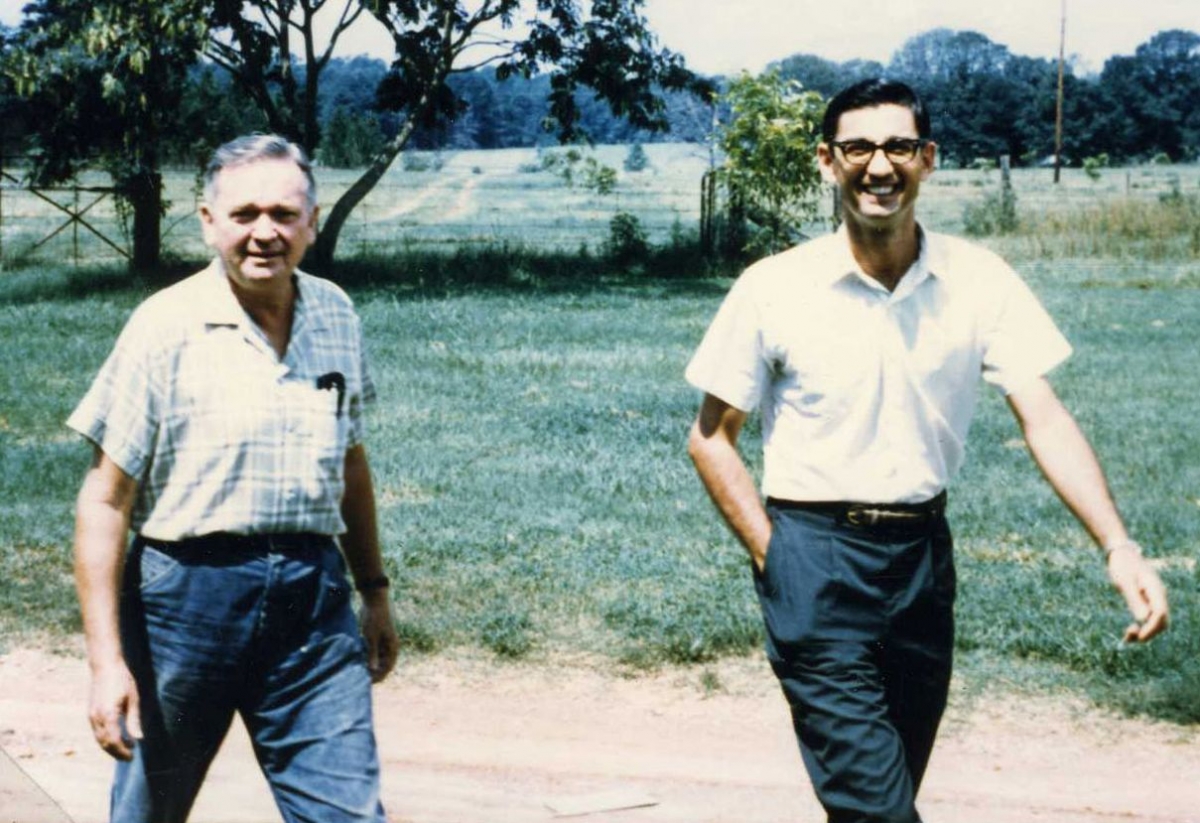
<point>845,266</point>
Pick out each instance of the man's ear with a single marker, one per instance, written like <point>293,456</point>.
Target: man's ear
<point>928,159</point>
<point>825,162</point>
<point>206,223</point>
<point>313,224</point>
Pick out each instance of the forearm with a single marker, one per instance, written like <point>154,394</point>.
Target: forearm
<point>360,543</point>
<point>1068,462</point>
<point>732,489</point>
<point>101,531</point>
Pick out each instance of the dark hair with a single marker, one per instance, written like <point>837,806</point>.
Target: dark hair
<point>874,91</point>
<point>253,147</point>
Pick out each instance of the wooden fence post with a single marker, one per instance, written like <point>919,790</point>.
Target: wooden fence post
<point>708,202</point>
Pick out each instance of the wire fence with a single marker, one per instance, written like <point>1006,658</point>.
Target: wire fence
<point>487,198</point>
<point>441,202</point>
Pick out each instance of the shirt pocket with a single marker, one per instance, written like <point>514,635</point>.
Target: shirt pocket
<point>321,419</point>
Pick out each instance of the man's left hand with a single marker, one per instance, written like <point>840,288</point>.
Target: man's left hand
<point>379,630</point>
<point>1144,593</point>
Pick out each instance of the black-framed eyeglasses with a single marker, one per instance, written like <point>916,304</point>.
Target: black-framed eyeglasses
<point>898,150</point>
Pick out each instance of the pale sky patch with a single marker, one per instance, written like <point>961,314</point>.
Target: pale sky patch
<point>727,36</point>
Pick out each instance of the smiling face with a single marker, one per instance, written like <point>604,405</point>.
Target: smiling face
<point>880,195</point>
<point>260,222</point>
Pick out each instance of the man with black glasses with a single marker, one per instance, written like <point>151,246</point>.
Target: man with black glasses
<point>864,349</point>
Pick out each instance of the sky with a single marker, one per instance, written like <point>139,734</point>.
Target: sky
<point>727,36</point>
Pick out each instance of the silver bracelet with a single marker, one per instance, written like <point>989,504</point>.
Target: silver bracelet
<point>1127,544</point>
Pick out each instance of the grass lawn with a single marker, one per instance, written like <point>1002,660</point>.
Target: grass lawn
<point>535,497</point>
<point>536,500</point>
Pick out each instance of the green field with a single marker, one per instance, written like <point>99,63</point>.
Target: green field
<point>476,199</point>
<point>535,495</point>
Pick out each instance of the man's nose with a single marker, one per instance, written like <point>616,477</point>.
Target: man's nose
<point>264,228</point>
<point>879,165</point>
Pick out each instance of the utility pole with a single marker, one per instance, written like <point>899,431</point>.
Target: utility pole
<point>1058,109</point>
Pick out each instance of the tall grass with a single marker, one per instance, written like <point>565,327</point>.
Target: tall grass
<point>1122,229</point>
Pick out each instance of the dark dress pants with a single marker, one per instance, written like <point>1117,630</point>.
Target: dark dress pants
<point>860,633</point>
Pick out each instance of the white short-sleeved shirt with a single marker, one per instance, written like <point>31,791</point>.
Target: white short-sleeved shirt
<point>867,395</point>
<point>222,435</point>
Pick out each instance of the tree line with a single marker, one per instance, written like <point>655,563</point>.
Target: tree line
<point>133,85</point>
<point>985,102</point>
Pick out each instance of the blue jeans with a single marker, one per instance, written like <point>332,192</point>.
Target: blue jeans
<point>269,634</point>
<point>860,633</point>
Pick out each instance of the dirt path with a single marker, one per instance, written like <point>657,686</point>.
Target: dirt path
<point>465,741</point>
<point>461,204</point>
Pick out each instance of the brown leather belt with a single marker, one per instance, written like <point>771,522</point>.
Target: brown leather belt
<point>867,515</point>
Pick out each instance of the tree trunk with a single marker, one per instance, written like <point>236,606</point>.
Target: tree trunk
<point>331,229</point>
<point>144,193</point>
<point>327,240</point>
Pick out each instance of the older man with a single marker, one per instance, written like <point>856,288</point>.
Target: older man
<point>227,432</point>
<point>865,350</point>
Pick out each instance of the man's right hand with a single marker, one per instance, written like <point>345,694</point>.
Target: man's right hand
<point>758,552</point>
<point>114,711</point>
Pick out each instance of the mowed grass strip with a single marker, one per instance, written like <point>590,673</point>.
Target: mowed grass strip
<point>536,500</point>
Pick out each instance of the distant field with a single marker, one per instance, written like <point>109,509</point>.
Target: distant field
<point>480,198</point>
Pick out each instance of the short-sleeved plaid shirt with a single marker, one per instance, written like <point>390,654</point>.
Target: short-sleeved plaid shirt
<point>222,435</point>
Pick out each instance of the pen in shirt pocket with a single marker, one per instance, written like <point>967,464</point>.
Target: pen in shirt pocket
<point>334,380</point>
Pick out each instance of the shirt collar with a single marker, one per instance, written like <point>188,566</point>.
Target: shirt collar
<point>216,304</point>
<point>844,267</point>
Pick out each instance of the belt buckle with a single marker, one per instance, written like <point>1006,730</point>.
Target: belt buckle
<point>862,516</point>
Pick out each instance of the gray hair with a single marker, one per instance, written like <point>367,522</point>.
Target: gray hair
<point>251,148</point>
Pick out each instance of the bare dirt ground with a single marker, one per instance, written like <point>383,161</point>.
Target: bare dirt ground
<point>469,741</point>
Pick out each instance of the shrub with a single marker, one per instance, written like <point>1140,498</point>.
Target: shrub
<point>995,214</point>
<point>636,159</point>
<point>627,240</point>
<point>423,161</point>
<point>508,635</point>
<point>1092,166</point>
<point>574,167</point>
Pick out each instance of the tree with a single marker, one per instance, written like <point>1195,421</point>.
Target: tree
<point>636,159</point>
<point>1158,89</point>
<point>212,111</point>
<point>943,54</point>
<point>825,76</point>
<point>608,49</point>
<point>103,79</point>
<point>770,166</point>
<point>351,140</point>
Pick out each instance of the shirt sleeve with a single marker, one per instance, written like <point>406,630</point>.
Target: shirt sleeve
<point>366,393</point>
<point>729,363</point>
<point>1022,343</point>
<point>119,412</point>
